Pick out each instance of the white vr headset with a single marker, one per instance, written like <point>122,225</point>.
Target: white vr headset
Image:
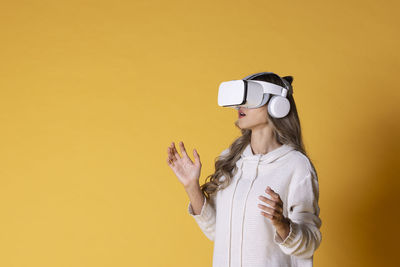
<point>253,94</point>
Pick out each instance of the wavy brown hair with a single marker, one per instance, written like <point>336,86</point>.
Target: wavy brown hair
<point>286,130</point>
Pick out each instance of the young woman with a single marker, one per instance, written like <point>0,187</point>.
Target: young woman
<point>260,206</point>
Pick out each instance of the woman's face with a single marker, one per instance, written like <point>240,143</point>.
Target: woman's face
<point>254,118</point>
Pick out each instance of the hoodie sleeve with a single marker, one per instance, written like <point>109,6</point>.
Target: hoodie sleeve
<point>303,213</point>
<point>206,218</point>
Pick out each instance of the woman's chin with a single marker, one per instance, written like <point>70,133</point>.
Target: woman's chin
<point>242,126</point>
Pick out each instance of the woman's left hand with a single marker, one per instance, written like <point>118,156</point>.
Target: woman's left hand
<point>275,212</point>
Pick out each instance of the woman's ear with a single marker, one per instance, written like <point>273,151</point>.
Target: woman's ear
<point>289,79</point>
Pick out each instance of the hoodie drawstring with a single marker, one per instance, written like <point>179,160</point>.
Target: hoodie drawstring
<point>244,209</point>
<point>230,211</point>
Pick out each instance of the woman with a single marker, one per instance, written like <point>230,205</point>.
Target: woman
<point>260,206</point>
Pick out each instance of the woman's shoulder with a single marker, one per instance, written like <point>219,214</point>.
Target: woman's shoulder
<point>301,165</point>
<point>298,158</point>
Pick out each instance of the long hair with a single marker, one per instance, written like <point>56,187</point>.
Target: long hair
<point>287,130</point>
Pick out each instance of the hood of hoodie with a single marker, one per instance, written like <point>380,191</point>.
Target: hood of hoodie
<point>271,156</point>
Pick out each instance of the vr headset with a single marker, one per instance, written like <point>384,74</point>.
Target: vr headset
<point>253,94</point>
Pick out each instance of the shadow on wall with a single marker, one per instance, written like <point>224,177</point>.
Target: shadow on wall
<point>377,213</point>
<point>369,210</point>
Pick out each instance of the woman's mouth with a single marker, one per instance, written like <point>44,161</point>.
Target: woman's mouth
<point>241,114</point>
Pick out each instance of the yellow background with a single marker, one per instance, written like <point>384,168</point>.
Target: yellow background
<point>93,92</point>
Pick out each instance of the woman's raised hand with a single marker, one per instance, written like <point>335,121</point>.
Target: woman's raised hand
<point>188,172</point>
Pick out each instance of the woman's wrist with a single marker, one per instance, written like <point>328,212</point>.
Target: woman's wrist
<point>284,229</point>
<point>192,186</point>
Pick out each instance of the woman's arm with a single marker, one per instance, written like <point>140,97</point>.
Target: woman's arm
<point>196,197</point>
<point>303,212</point>
<point>202,210</point>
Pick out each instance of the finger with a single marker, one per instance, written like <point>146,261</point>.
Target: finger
<point>271,202</point>
<point>170,163</point>
<point>269,216</point>
<point>171,155</point>
<point>267,209</point>
<point>175,152</point>
<point>196,157</point>
<point>274,211</point>
<point>272,193</point>
<point>169,151</point>
<point>277,200</point>
<point>274,218</point>
<point>170,159</point>
<point>183,150</point>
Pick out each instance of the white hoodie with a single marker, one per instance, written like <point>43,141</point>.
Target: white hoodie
<point>242,236</point>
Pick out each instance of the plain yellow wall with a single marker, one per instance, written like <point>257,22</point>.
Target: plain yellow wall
<point>93,92</point>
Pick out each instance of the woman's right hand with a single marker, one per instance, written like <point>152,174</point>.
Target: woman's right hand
<point>188,172</point>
